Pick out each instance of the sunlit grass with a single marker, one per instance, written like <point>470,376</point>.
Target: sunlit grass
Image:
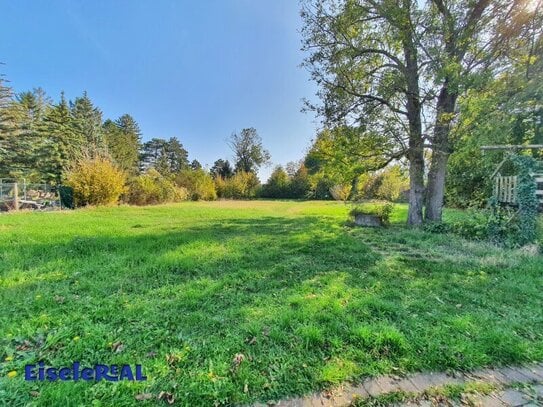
<point>308,300</point>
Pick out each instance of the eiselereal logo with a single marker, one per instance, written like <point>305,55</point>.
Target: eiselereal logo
<point>112,373</point>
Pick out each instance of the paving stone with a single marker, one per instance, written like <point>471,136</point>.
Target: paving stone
<point>388,384</point>
<point>422,381</point>
<point>489,401</point>
<point>406,385</point>
<point>512,397</point>
<point>514,375</point>
<point>372,387</point>
<point>538,370</point>
<point>530,373</point>
<point>441,379</point>
<point>490,376</point>
<point>538,390</point>
<point>359,391</point>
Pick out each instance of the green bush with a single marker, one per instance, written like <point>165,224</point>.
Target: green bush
<point>198,183</point>
<point>242,185</point>
<point>95,181</point>
<point>153,188</point>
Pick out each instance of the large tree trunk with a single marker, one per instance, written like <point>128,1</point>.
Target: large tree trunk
<point>415,154</point>
<point>416,184</point>
<point>435,190</point>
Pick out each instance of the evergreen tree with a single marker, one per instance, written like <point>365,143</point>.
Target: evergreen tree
<point>221,168</point>
<point>87,120</point>
<point>195,165</point>
<point>167,157</point>
<point>8,127</point>
<point>122,138</point>
<point>62,145</point>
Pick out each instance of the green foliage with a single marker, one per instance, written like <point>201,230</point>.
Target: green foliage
<point>527,200</point>
<point>242,185</point>
<point>221,169</point>
<point>388,184</point>
<point>166,156</point>
<point>381,209</point>
<point>249,151</point>
<point>294,184</point>
<point>344,153</point>
<point>123,142</point>
<point>95,181</point>
<point>153,188</point>
<point>341,192</point>
<point>278,185</point>
<point>198,183</point>
<point>87,124</point>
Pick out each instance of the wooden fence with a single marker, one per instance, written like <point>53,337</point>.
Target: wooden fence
<point>505,189</point>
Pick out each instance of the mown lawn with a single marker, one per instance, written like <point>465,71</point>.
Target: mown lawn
<point>308,301</point>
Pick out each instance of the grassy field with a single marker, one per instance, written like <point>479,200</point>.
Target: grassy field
<point>308,301</point>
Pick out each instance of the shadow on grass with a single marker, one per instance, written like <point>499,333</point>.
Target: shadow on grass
<point>307,301</point>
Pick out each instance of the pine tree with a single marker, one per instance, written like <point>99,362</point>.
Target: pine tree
<point>8,127</point>
<point>63,146</point>
<point>87,120</point>
<point>123,142</point>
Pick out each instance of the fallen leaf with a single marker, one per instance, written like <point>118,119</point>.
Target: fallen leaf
<point>238,358</point>
<point>251,341</point>
<point>167,397</point>
<point>117,347</point>
<point>246,388</point>
<point>143,396</point>
<point>26,345</point>
<point>150,354</point>
<point>59,299</point>
<point>35,393</point>
<point>172,359</point>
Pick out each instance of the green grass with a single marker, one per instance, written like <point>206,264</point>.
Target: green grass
<point>309,301</point>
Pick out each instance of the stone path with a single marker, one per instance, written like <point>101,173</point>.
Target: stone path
<point>513,386</point>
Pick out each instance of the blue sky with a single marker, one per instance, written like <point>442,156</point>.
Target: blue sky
<point>197,70</point>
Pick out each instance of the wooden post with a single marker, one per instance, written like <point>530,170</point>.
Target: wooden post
<point>15,196</point>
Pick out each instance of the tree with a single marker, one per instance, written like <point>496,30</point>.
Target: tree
<point>87,121</point>
<point>177,156</point>
<point>63,145</point>
<point>167,157</point>
<point>27,142</point>
<point>123,142</point>
<point>505,109</point>
<point>248,149</point>
<point>195,165</point>
<point>221,168</point>
<point>278,184</point>
<point>8,127</point>
<point>387,64</point>
<point>364,57</point>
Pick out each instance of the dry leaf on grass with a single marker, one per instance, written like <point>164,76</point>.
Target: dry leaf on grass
<point>143,396</point>
<point>167,397</point>
<point>238,358</point>
<point>117,347</point>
